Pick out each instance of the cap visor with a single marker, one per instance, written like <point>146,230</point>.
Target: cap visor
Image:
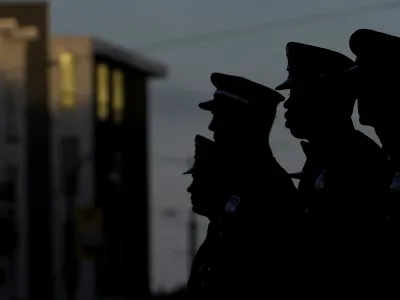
<point>285,85</point>
<point>207,105</point>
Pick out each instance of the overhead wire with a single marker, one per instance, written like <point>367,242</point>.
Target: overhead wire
<point>235,32</point>
<point>263,27</point>
<point>268,26</point>
<point>240,31</point>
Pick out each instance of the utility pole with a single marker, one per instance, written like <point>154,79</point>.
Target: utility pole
<point>192,225</point>
<point>70,261</point>
<point>192,238</point>
<point>71,264</point>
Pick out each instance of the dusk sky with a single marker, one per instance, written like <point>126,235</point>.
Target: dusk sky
<point>257,55</point>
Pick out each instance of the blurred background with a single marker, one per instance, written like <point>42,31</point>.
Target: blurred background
<point>98,104</point>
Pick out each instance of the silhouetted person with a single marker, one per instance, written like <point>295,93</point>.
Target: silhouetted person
<point>342,171</point>
<point>254,244</point>
<point>209,196</point>
<point>375,81</point>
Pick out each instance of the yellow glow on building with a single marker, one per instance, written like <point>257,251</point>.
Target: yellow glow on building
<point>103,92</point>
<point>68,97</point>
<point>118,102</point>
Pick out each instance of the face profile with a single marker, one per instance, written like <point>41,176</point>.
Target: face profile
<point>313,103</point>
<point>227,126</point>
<point>204,188</point>
<point>304,111</point>
<point>202,192</point>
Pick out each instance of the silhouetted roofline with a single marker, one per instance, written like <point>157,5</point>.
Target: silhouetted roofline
<point>131,58</point>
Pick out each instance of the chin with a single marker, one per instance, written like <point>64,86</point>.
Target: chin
<point>298,134</point>
<point>366,121</point>
<point>198,211</point>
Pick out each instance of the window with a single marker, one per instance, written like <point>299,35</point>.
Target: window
<point>67,80</point>
<point>118,102</point>
<point>103,92</point>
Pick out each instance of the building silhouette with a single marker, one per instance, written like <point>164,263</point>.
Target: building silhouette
<point>74,122</point>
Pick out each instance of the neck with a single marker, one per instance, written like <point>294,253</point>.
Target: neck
<point>393,155</point>
<point>390,143</point>
<point>247,151</point>
<point>331,140</point>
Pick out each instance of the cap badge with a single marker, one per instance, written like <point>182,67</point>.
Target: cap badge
<point>232,205</point>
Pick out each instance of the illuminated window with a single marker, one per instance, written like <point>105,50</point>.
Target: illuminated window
<point>118,102</point>
<point>67,80</point>
<point>103,92</point>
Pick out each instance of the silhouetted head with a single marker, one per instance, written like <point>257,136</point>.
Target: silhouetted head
<point>206,183</point>
<point>376,79</point>
<point>316,100</point>
<point>242,110</point>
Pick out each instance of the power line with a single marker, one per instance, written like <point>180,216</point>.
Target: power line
<point>268,26</point>
<point>175,161</point>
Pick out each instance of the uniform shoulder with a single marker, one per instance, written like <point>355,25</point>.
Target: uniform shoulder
<point>368,145</point>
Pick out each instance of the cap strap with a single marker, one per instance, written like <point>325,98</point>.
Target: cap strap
<point>230,95</point>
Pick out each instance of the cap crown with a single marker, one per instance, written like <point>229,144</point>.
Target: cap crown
<point>310,60</point>
<point>375,49</point>
<point>244,90</point>
<point>204,155</point>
